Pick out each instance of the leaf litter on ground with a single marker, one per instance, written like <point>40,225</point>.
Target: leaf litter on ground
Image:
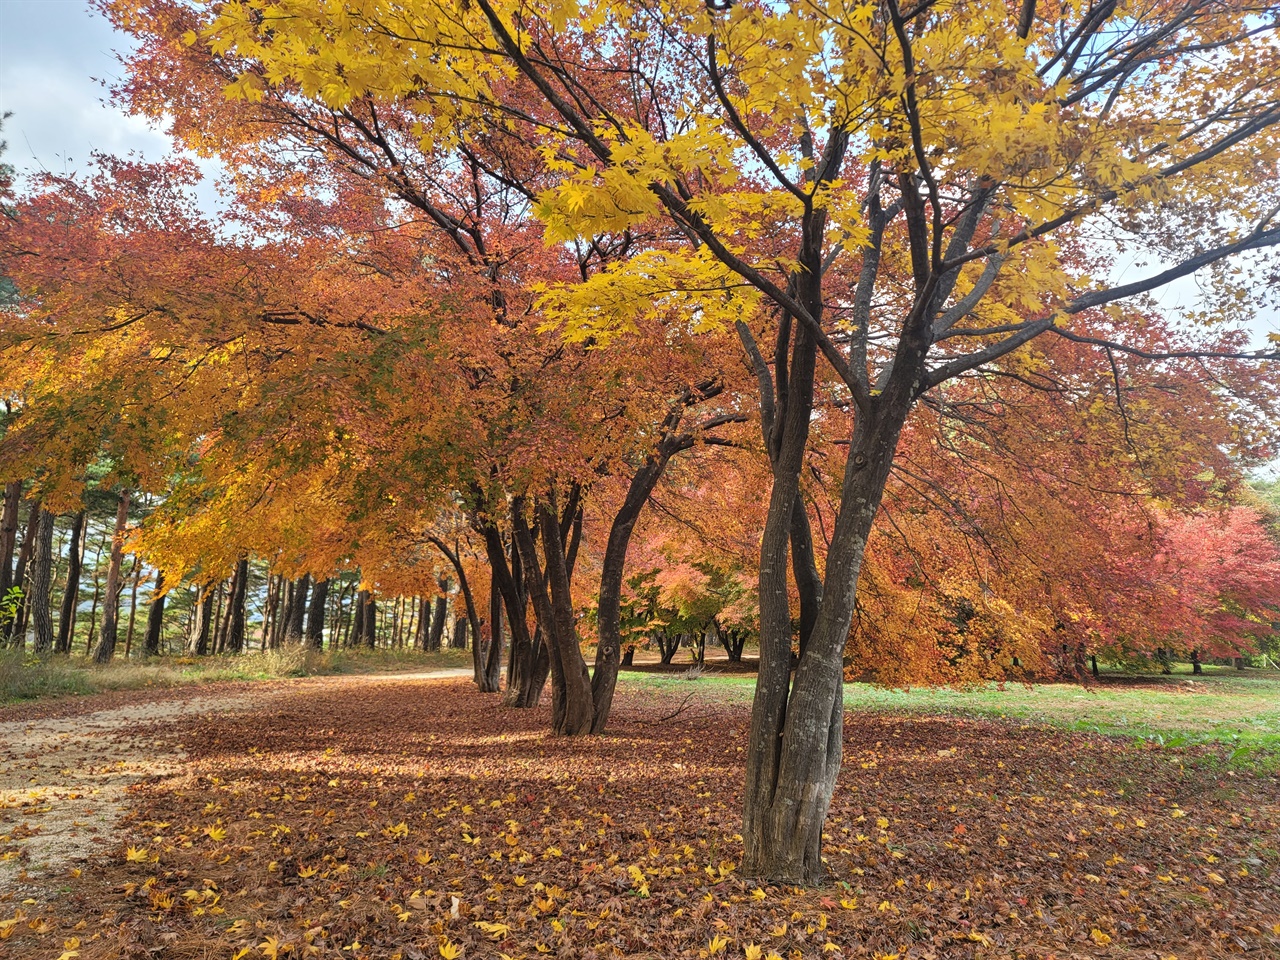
<point>419,819</point>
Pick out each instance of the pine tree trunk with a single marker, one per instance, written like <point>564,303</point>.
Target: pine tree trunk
<point>342,617</point>
<point>315,615</point>
<point>111,602</point>
<point>226,600</point>
<point>424,624</point>
<point>272,609</point>
<point>298,609</point>
<point>155,620</point>
<point>202,626</point>
<point>370,613</point>
<point>9,533</point>
<point>97,594</point>
<point>41,584</point>
<point>438,616</point>
<point>236,615</point>
<point>71,593</point>
<point>357,617</point>
<point>17,630</point>
<point>135,572</point>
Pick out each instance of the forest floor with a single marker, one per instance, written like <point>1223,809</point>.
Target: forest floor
<point>411,817</point>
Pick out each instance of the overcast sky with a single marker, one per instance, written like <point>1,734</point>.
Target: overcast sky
<point>54,56</point>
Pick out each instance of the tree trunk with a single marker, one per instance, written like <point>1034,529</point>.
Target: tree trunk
<point>71,593</point>
<point>437,616</point>
<point>97,593</point>
<point>366,620</point>
<point>9,533</point>
<point>424,624</point>
<point>296,609</point>
<point>279,633</point>
<point>236,614</point>
<point>226,597</point>
<point>491,680</point>
<point>111,602</point>
<point>18,628</point>
<point>202,623</point>
<point>272,612</point>
<point>357,617</point>
<point>1196,669</point>
<point>571,703</point>
<point>342,617</point>
<point>371,621</point>
<point>460,637</point>
<point>315,615</point>
<point>525,675</point>
<point>41,584</point>
<point>135,572</point>
<point>795,741</point>
<point>604,679</point>
<point>155,619</point>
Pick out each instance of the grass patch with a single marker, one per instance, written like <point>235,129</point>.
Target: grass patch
<point>24,677</point>
<point>1239,709</point>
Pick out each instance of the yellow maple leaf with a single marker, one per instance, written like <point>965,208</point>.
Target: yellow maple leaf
<point>717,944</point>
<point>136,854</point>
<point>752,952</point>
<point>1098,937</point>
<point>215,833</point>
<point>450,950</point>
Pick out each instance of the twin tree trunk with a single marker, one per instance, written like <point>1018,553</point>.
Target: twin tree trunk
<point>795,742</point>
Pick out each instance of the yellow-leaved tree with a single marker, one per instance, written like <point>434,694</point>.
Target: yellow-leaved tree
<point>904,193</point>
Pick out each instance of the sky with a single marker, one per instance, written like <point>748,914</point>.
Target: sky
<point>56,56</point>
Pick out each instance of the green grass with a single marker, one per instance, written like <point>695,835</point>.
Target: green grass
<point>1241,709</point>
<point>24,678</point>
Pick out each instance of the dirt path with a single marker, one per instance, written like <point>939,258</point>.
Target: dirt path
<point>64,779</point>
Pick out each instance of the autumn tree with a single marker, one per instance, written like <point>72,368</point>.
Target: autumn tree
<point>919,174</point>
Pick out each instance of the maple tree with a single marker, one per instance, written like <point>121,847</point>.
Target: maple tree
<point>938,159</point>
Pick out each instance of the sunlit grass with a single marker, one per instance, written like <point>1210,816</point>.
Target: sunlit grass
<point>26,677</point>
<point>1241,708</point>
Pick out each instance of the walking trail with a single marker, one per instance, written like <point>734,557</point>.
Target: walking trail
<point>65,778</point>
